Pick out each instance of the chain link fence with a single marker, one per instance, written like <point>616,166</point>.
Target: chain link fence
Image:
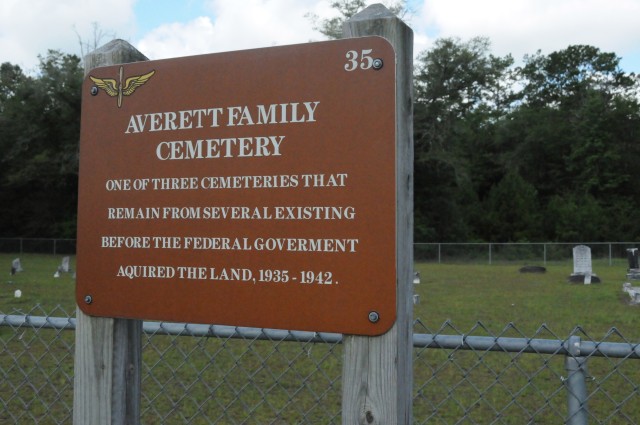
<point>479,377</point>
<point>484,252</point>
<point>21,246</point>
<point>198,374</point>
<point>535,253</point>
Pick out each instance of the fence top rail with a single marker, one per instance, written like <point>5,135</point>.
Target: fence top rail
<point>451,342</point>
<point>527,345</point>
<point>222,331</point>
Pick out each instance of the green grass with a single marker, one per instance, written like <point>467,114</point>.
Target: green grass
<point>241,381</point>
<point>497,295</point>
<point>463,294</point>
<point>37,283</point>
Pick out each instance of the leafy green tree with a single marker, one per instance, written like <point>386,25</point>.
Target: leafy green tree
<point>575,217</point>
<point>562,78</point>
<point>488,154</point>
<point>574,136</point>
<point>11,78</point>
<point>438,212</point>
<point>512,211</point>
<point>459,90</point>
<point>580,91</point>
<point>39,135</point>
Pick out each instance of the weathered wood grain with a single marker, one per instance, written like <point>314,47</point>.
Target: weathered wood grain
<point>108,356</point>
<point>377,371</point>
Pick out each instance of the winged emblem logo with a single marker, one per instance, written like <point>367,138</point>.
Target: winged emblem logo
<point>117,89</point>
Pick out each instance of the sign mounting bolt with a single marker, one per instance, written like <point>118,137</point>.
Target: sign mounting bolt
<point>374,316</point>
<point>377,63</point>
<point>94,91</point>
<point>88,299</point>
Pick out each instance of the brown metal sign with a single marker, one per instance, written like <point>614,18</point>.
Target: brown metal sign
<point>250,188</point>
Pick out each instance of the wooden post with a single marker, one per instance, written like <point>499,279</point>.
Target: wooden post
<point>108,351</point>
<point>377,377</point>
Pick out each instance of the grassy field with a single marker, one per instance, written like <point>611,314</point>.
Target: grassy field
<point>497,295</point>
<point>462,294</point>
<point>37,283</point>
<point>242,381</point>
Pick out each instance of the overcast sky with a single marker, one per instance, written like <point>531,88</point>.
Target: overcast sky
<point>171,28</point>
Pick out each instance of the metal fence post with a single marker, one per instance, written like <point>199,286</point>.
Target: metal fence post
<point>575,365</point>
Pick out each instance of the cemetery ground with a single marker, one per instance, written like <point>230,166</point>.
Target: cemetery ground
<point>201,374</point>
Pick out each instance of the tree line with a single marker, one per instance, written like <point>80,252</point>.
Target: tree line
<point>545,150</point>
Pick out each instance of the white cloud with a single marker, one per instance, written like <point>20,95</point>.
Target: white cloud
<point>31,27</point>
<point>178,39</point>
<point>523,26</point>
<point>235,25</point>
<point>518,27</point>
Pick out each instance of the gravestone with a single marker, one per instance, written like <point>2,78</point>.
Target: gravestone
<point>532,269</point>
<point>632,256</point>
<point>16,266</point>
<point>633,272</point>
<point>582,270</point>
<point>633,291</point>
<point>64,266</point>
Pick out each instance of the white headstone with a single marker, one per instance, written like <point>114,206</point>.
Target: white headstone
<point>633,291</point>
<point>582,268</point>
<point>16,266</point>
<point>64,267</point>
<point>581,259</point>
<point>17,293</point>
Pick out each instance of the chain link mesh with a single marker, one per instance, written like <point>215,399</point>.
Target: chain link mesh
<point>480,377</point>
<point>239,379</point>
<point>226,375</point>
<point>36,371</point>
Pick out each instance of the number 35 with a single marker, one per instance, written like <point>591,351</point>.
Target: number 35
<point>363,62</point>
